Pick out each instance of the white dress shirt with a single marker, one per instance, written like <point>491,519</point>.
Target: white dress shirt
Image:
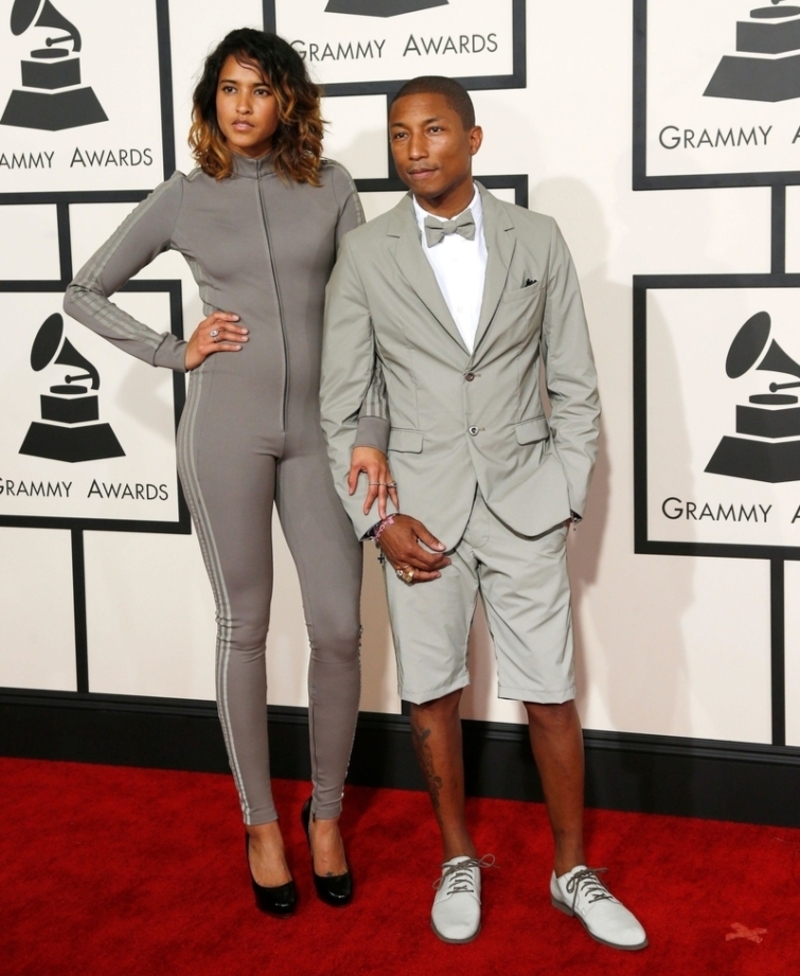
<point>460,269</point>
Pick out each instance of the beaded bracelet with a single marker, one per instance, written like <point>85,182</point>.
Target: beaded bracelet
<point>384,524</point>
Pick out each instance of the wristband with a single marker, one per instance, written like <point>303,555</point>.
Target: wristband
<point>384,524</point>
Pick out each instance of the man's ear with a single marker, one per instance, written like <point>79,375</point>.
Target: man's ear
<point>475,139</point>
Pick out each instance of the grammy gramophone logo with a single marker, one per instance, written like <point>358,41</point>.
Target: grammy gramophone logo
<point>769,448</point>
<point>381,8</point>
<point>766,65</point>
<point>51,96</point>
<point>70,428</point>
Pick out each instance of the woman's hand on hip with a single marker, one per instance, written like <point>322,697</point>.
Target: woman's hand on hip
<point>218,333</point>
<point>380,485</point>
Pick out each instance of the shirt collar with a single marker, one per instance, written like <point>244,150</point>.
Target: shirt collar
<point>476,206</point>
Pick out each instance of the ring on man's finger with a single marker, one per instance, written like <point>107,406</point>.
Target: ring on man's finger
<point>406,575</point>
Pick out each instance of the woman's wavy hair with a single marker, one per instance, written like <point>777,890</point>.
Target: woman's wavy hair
<point>297,143</point>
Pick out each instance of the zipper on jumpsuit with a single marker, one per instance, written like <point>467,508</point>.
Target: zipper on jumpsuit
<point>278,294</point>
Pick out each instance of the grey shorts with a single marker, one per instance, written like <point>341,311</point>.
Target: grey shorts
<point>524,586</point>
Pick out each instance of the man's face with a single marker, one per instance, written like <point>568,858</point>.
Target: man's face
<point>431,148</point>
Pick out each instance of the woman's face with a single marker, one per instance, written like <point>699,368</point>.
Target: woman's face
<point>247,112</point>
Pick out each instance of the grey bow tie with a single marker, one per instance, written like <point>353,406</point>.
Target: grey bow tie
<point>436,230</point>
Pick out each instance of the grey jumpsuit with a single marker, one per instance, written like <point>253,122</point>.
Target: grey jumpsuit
<point>250,435</point>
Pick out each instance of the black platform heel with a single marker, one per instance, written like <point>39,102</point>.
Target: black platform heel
<point>336,890</point>
<point>280,900</point>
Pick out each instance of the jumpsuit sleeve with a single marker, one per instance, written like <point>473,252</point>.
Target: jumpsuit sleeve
<point>141,237</point>
<point>348,374</point>
<point>373,416</point>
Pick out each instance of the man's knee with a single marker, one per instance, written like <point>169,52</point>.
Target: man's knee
<point>553,717</point>
<point>445,705</point>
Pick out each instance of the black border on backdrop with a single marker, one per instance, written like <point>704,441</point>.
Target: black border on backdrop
<point>182,526</point>
<point>518,182</point>
<point>642,543</point>
<point>517,78</point>
<point>167,135</point>
<point>722,780</point>
<point>641,180</point>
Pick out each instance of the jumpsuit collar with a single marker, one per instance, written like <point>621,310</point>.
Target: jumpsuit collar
<point>252,168</point>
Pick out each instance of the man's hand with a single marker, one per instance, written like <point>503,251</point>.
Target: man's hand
<point>373,463</point>
<point>400,543</point>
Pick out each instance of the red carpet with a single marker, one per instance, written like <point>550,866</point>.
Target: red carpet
<point>116,871</point>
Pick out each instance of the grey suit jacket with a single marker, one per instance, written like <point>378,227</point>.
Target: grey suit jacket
<point>461,420</point>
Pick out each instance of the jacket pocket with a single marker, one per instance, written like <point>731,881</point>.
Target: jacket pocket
<point>530,431</point>
<point>519,293</point>
<point>405,439</point>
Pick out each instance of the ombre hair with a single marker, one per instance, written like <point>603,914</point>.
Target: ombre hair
<point>297,143</point>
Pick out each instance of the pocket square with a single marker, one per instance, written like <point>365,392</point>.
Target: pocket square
<point>529,282</point>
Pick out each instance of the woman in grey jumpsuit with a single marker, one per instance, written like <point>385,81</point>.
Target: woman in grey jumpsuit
<point>259,222</point>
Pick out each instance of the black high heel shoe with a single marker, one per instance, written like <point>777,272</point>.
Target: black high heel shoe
<point>336,890</point>
<point>280,900</point>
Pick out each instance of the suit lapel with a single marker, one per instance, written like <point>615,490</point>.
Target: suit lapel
<point>416,269</point>
<point>498,229</point>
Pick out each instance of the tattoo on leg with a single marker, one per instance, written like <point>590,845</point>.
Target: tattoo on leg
<point>425,759</point>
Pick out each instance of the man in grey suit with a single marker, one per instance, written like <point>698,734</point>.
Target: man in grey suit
<point>456,298</point>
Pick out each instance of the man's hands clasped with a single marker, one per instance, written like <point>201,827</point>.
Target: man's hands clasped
<point>217,333</point>
<point>415,555</point>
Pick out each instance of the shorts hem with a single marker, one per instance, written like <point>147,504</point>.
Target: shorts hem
<point>420,698</point>
<point>537,695</point>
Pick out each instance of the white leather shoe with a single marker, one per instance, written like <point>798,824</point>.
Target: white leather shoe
<point>580,892</point>
<point>456,912</point>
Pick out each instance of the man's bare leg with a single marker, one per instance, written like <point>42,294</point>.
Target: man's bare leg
<point>557,743</point>
<point>436,733</point>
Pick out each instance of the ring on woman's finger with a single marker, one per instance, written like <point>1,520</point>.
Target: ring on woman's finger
<point>214,333</point>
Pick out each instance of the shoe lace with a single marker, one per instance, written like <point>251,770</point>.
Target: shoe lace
<point>458,877</point>
<point>587,883</point>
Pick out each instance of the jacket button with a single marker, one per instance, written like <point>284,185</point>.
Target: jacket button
<point>469,377</point>
<point>473,431</point>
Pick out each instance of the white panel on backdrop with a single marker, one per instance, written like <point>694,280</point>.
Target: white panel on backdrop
<point>87,432</point>
<point>150,616</point>
<point>356,134</point>
<point>793,229</point>
<point>36,610</point>
<point>82,98</point>
<point>347,41</point>
<point>376,203</point>
<point>91,224</point>
<point>672,645</point>
<point>723,85</point>
<point>723,425</point>
<point>792,639</point>
<point>195,29</point>
<point>33,253</point>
